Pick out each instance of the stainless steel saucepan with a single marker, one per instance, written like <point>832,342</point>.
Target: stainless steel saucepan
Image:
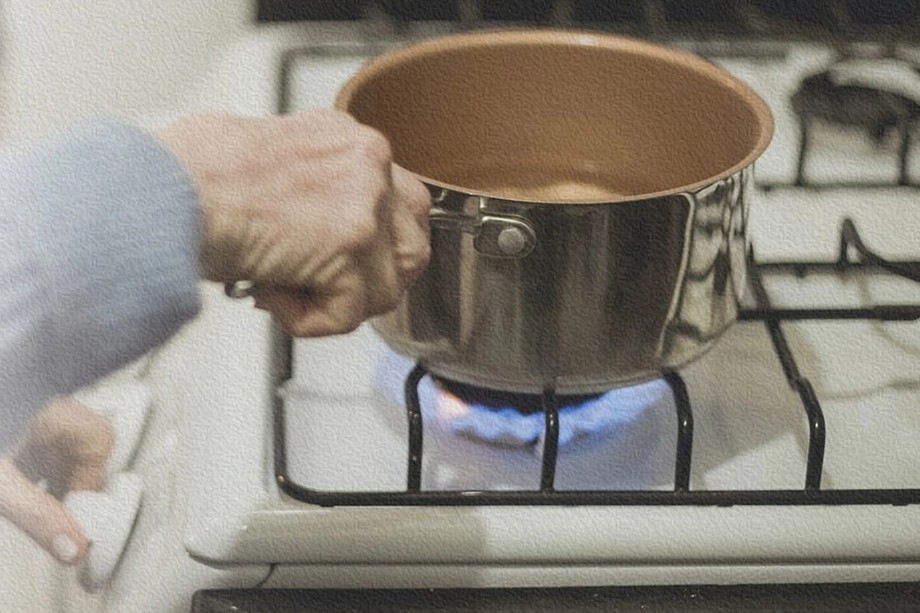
<point>590,203</point>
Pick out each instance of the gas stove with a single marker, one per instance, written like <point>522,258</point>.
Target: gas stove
<point>824,256</point>
<point>284,469</point>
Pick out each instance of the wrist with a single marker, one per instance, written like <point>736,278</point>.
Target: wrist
<point>216,261</point>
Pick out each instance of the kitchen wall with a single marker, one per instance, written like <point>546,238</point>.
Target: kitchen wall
<point>65,60</point>
<point>70,59</point>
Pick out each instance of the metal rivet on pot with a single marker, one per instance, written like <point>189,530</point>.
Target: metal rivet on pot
<point>511,241</point>
<point>505,236</point>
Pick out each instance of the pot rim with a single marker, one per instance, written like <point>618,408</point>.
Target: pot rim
<point>569,38</point>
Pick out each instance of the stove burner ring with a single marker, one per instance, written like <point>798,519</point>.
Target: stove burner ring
<point>509,419</point>
<point>492,399</point>
<point>876,110</point>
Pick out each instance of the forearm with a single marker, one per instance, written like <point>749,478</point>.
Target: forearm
<point>100,235</point>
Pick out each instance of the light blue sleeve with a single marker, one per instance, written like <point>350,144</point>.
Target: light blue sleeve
<point>99,234</point>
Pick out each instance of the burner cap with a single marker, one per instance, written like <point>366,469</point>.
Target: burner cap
<point>820,97</point>
<point>875,93</point>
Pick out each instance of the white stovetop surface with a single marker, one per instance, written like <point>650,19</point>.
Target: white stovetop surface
<point>209,458</point>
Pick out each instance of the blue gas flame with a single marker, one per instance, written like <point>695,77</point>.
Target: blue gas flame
<point>589,418</point>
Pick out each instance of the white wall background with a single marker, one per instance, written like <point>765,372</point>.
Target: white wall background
<point>67,59</point>
<point>64,60</point>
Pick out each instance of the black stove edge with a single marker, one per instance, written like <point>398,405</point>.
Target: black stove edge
<point>804,598</point>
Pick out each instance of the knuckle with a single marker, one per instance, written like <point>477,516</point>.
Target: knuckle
<point>349,326</point>
<point>297,329</point>
<point>344,312</point>
<point>374,186</point>
<point>421,204</point>
<point>414,196</point>
<point>424,256</point>
<point>363,233</point>
<point>374,145</point>
<point>299,326</point>
<point>328,117</point>
<point>343,321</point>
<point>387,298</point>
<point>415,254</point>
<point>413,269</point>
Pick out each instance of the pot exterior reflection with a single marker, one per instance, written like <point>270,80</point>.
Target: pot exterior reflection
<point>611,294</point>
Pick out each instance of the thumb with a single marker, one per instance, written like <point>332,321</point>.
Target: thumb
<point>40,515</point>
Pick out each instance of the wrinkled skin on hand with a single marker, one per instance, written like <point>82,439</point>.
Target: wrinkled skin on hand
<point>308,207</point>
<point>65,448</point>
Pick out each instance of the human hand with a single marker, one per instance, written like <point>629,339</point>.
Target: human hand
<point>311,209</point>
<point>66,448</point>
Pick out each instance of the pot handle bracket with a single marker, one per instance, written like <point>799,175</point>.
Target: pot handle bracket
<point>495,235</point>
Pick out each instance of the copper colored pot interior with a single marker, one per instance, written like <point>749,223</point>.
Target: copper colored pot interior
<point>559,116</point>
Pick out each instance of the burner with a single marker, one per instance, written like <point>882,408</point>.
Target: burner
<point>484,439</point>
<point>498,400</point>
<point>517,420</point>
<point>823,96</point>
<point>509,419</point>
<point>878,95</point>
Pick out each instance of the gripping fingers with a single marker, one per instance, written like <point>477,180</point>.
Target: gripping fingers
<point>305,315</point>
<point>411,233</point>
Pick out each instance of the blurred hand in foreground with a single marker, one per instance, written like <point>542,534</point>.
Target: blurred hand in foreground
<point>65,448</point>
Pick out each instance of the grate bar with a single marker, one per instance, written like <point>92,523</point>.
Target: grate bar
<point>683,457</point>
<point>816,426</point>
<point>550,440</point>
<point>414,414</point>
